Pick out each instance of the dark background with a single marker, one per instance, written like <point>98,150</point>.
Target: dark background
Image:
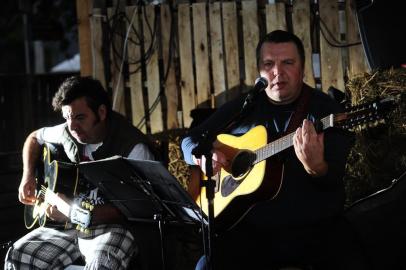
<point>26,92</point>
<point>26,89</point>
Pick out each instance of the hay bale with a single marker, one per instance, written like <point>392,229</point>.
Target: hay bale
<point>379,153</point>
<point>169,144</point>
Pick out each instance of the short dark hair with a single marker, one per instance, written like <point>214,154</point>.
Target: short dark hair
<point>76,87</point>
<point>280,36</point>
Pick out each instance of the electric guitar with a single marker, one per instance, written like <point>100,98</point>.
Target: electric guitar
<point>61,176</point>
<point>241,185</point>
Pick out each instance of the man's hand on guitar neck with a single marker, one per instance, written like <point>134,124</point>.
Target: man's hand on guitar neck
<point>53,213</point>
<point>309,149</point>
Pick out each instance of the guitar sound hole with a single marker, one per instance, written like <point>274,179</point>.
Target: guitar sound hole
<point>242,163</point>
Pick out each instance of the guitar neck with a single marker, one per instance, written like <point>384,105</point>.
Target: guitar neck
<point>286,141</point>
<point>52,199</point>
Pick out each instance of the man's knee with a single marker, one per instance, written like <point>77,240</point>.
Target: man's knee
<point>106,259</point>
<point>8,263</point>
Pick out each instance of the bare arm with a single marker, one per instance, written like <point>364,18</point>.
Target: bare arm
<point>31,154</point>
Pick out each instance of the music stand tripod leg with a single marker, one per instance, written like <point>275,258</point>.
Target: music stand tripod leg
<point>161,223</point>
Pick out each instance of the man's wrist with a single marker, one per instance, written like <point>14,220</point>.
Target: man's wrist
<point>195,160</point>
<point>319,170</point>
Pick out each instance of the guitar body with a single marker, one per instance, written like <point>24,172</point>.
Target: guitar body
<point>55,176</point>
<point>235,196</point>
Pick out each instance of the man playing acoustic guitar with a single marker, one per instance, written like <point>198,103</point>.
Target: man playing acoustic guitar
<point>91,131</point>
<point>286,210</point>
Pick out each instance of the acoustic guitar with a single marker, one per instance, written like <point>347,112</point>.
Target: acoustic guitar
<point>241,185</point>
<point>60,177</point>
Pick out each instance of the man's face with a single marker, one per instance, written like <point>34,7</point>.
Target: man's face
<point>84,125</point>
<point>280,63</point>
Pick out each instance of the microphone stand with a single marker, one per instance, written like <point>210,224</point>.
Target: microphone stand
<point>204,148</point>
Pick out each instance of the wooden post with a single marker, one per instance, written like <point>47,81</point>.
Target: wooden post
<point>251,38</point>
<point>275,17</point>
<point>168,54</point>
<point>153,80</point>
<point>217,54</point>
<point>357,59</point>
<point>97,46</point>
<point>135,77</point>
<point>231,47</point>
<point>117,56</point>
<point>201,54</point>
<point>331,59</point>
<point>186,63</point>
<point>301,27</point>
<point>83,8</point>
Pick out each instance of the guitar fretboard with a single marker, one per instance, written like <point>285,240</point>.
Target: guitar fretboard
<point>285,142</point>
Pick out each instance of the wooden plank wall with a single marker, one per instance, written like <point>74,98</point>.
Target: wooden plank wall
<point>166,60</point>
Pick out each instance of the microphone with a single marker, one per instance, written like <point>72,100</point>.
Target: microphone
<point>260,84</point>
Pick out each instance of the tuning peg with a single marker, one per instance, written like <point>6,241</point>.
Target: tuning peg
<point>82,229</point>
<point>89,206</point>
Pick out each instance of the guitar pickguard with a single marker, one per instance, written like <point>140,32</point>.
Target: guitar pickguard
<point>228,185</point>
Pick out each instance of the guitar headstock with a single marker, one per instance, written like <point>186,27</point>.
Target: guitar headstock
<point>82,216</point>
<point>366,114</point>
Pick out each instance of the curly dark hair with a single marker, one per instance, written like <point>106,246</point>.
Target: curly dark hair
<point>280,36</point>
<point>76,87</point>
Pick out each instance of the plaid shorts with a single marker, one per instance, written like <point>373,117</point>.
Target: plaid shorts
<point>104,247</point>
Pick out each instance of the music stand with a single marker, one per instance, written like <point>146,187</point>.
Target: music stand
<point>143,191</point>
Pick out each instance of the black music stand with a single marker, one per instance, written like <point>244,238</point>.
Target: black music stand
<point>143,191</point>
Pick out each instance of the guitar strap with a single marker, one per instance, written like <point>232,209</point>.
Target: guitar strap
<point>301,109</point>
